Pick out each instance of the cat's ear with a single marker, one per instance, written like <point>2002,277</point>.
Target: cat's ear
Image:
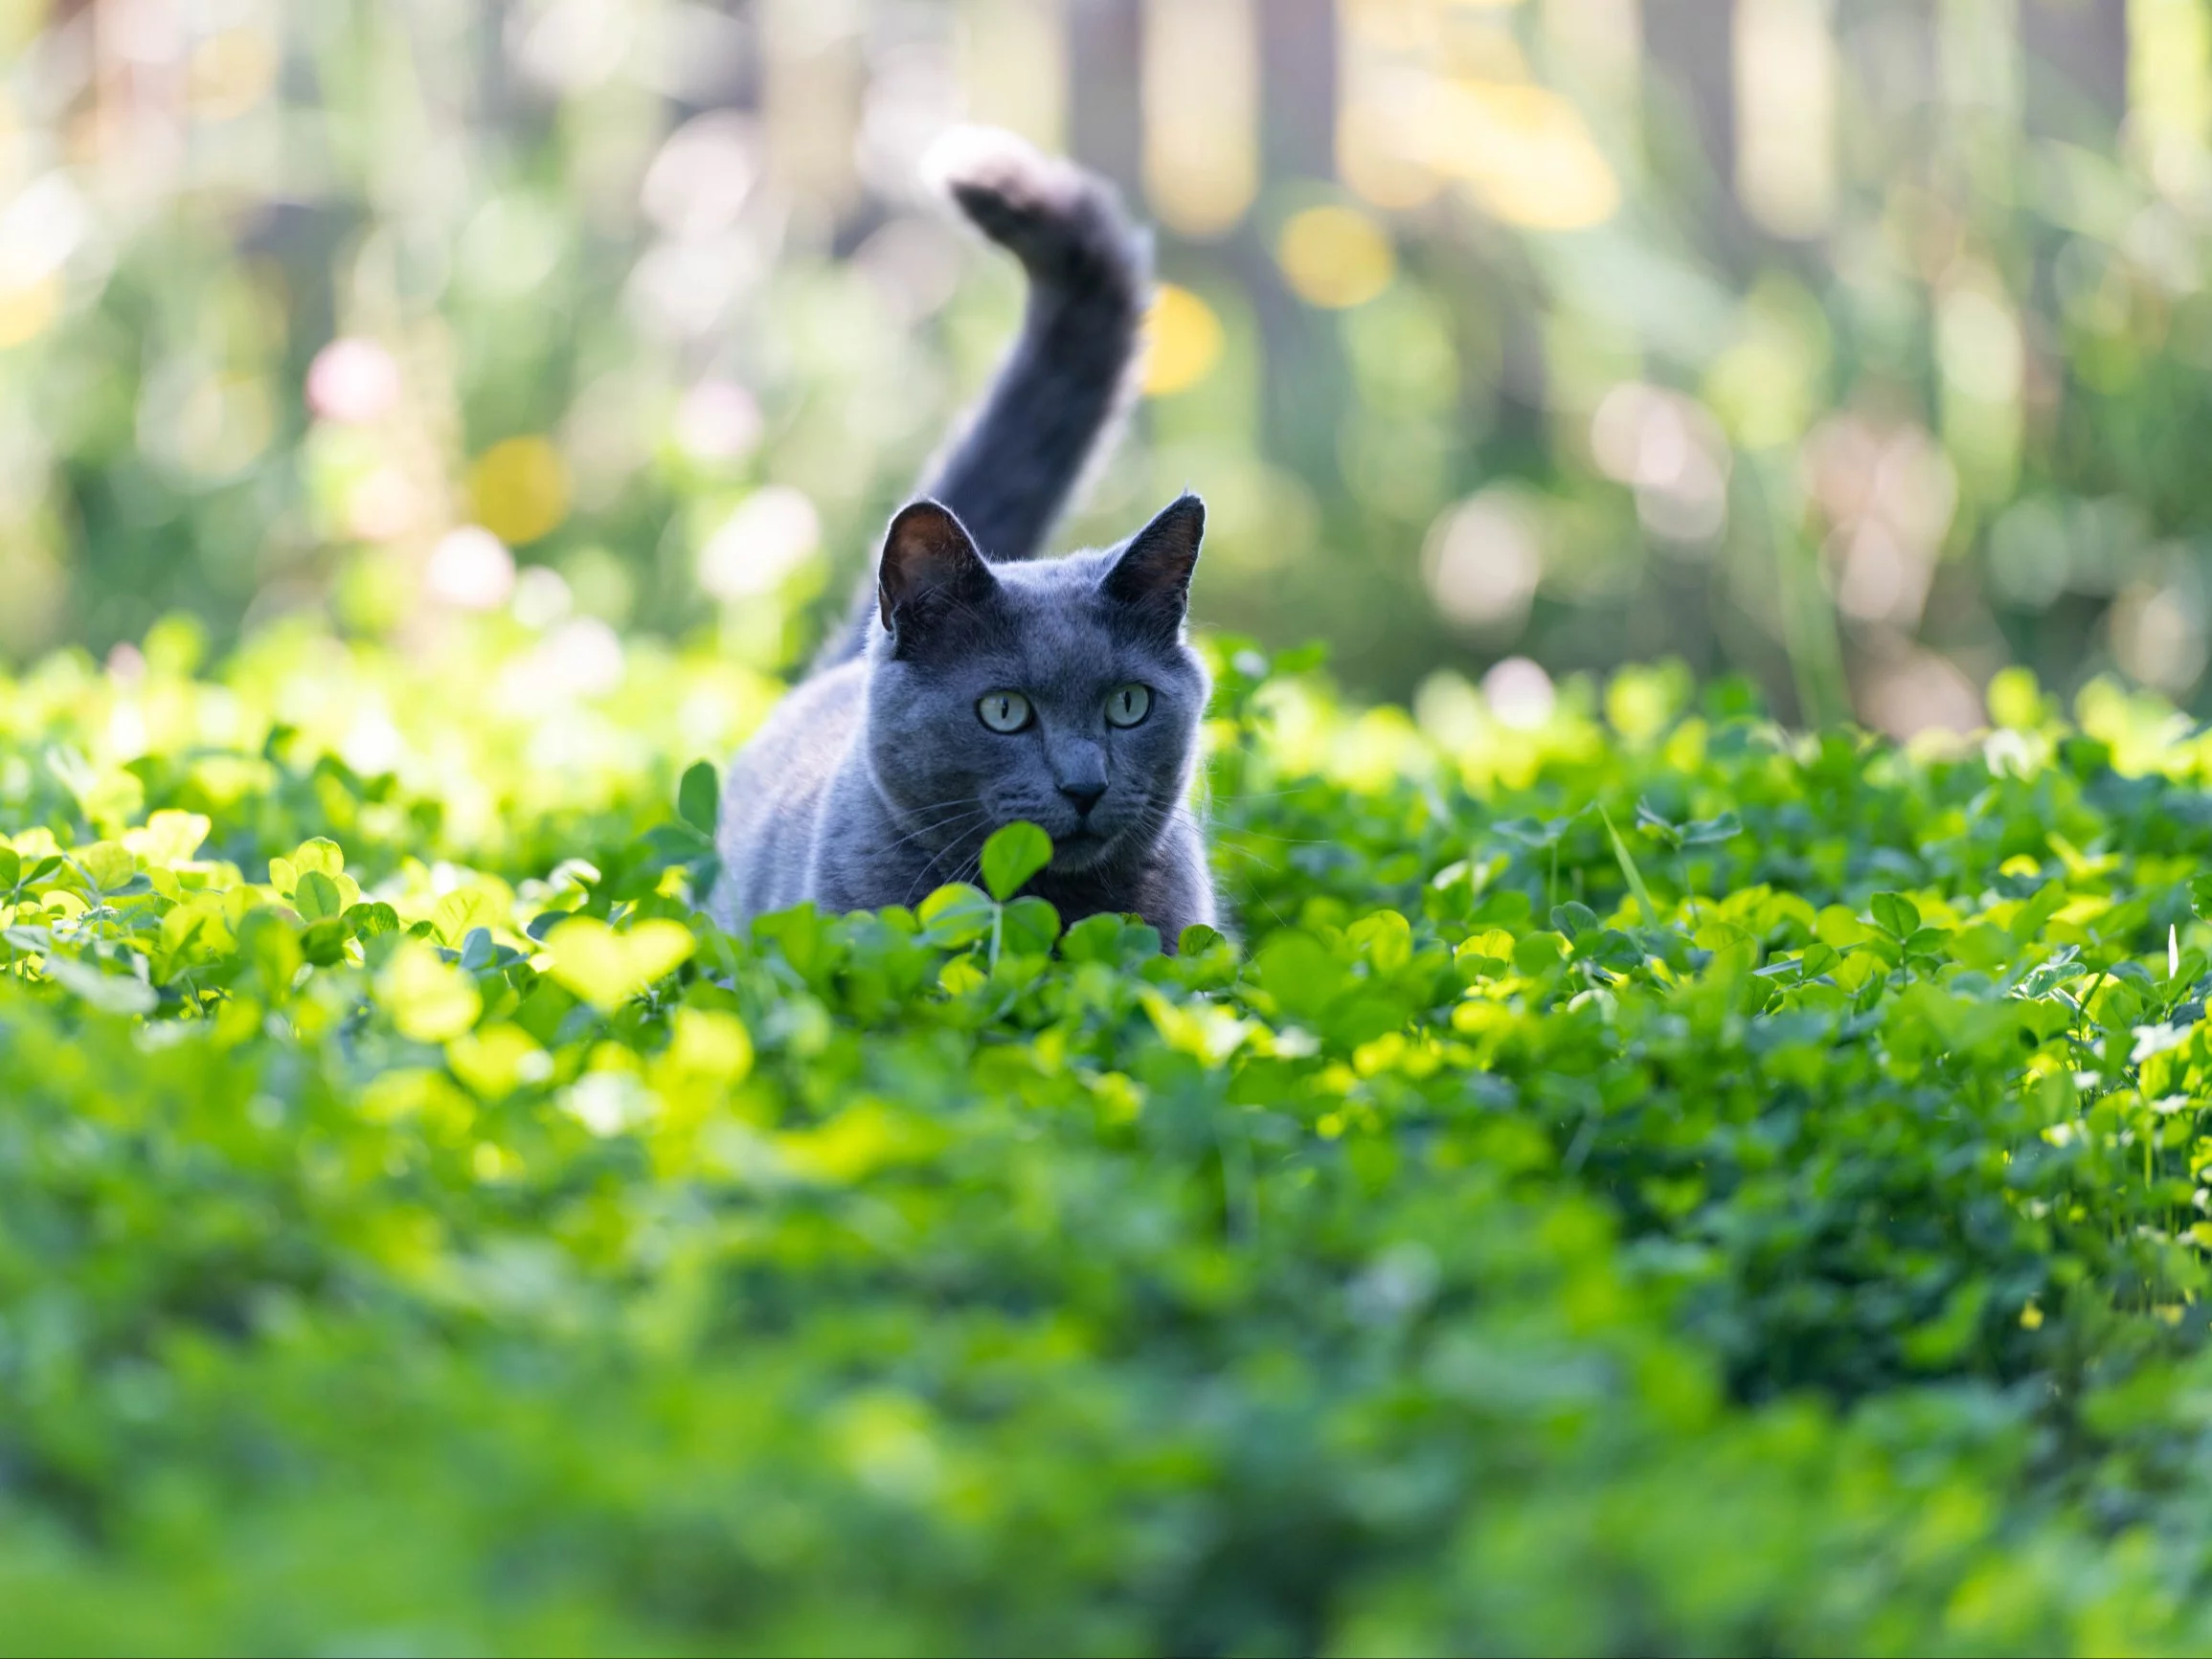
<point>930,567</point>
<point>1153,574</point>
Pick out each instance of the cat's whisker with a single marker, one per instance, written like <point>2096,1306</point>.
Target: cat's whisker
<point>964,829</point>
<point>1271,793</point>
<point>941,827</point>
<point>955,808</point>
<point>921,885</point>
<point>1268,865</point>
<point>936,806</point>
<point>1247,854</point>
<point>975,860</point>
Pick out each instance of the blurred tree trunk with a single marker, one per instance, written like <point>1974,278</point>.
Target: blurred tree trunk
<point>1106,57</point>
<point>1306,390</point>
<point>2076,69</point>
<point>1297,63</point>
<point>1691,51</point>
<point>1692,48</point>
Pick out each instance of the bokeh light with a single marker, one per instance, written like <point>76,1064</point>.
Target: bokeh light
<point>772,533</point>
<point>1183,340</point>
<point>1482,563</point>
<point>471,568</point>
<point>519,489</point>
<point>1335,257</point>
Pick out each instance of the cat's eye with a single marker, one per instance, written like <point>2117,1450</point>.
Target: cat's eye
<point>1003,711</point>
<point>1128,705</point>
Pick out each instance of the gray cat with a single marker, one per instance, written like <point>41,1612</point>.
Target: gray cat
<point>972,689</point>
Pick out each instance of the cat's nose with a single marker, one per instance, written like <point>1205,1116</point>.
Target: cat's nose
<point>1084,796</point>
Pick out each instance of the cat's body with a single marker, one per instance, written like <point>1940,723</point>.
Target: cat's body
<point>972,689</point>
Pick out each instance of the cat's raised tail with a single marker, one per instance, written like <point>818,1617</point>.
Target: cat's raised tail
<point>1063,388</point>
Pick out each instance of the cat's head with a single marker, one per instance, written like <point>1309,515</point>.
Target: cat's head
<point>1060,692</point>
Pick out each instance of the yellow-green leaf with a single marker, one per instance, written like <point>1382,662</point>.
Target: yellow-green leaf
<point>429,998</point>
<point>606,968</point>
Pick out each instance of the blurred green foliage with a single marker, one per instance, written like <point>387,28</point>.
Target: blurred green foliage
<point>1494,331</point>
<point>1645,1182</point>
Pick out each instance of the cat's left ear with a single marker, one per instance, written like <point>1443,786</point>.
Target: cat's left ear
<point>929,569</point>
<point>1153,574</point>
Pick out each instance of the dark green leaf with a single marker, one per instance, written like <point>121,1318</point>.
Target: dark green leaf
<point>1298,972</point>
<point>1013,855</point>
<point>699,799</point>
<point>1029,927</point>
<point>1198,938</point>
<point>1712,831</point>
<point>323,943</point>
<point>1655,826</point>
<point>1896,915</point>
<point>1574,919</point>
<point>366,921</point>
<point>956,915</point>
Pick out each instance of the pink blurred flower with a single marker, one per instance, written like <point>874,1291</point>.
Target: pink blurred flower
<point>353,381</point>
<point>717,421</point>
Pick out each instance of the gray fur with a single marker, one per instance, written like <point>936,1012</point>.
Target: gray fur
<point>877,782</point>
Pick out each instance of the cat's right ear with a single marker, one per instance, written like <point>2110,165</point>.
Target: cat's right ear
<point>929,569</point>
<point>1152,576</point>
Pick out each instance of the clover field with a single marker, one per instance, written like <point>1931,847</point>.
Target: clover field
<point>1647,1182</point>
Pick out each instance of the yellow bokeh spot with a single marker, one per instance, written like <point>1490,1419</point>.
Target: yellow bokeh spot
<point>1185,342</point>
<point>519,490</point>
<point>27,311</point>
<point>1526,151</point>
<point>1336,256</point>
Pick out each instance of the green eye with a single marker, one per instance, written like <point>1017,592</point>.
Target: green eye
<point>1128,705</point>
<point>1003,711</point>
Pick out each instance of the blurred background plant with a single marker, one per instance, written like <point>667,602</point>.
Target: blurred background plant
<point>1863,349</point>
